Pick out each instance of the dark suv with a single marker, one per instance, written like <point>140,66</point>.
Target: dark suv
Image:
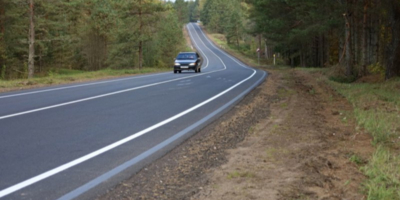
<point>187,61</point>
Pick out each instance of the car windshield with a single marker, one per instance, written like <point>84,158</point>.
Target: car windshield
<point>186,56</point>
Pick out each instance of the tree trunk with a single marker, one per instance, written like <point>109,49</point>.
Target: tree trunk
<point>321,50</point>
<point>259,44</point>
<point>316,51</point>
<point>393,50</point>
<point>2,19</point>
<point>140,54</point>
<point>140,36</point>
<point>266,50</point>
<point>354,34</point>
<point>291,59</point>
<point>347,46</point>
<point>31,57</point>
<point>2,31</point>
<point>364,40</point>
<point>374,34</point>
<point>237,38</point>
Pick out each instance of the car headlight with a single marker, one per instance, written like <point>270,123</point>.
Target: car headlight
<point>177,64</point>
<point>192,64</point>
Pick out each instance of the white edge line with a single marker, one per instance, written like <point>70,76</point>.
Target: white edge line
<point>75,162</point>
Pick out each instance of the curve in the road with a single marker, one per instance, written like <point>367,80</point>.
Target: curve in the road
<point>114,171</point>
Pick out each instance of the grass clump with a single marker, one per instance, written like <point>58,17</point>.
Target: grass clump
<point>384,177</point>
<point>357,159</point>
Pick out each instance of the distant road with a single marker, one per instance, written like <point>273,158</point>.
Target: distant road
<point>75,141</point>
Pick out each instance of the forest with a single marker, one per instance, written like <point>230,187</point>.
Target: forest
<point>38,37</point>
<point>358,37</point>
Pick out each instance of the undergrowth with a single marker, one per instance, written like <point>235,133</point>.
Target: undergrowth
<point>249,58</point>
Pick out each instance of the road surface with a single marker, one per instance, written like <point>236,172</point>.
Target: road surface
<point>75,141</point>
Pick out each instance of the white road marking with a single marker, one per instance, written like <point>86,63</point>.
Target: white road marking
<point>75,162</point>
<point>99,96</point>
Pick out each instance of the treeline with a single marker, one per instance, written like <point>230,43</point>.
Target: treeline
<point>41,36</point>
<point>359,36</point>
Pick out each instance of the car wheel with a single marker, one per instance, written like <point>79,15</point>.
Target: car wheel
<point>180,71</point>
<point>196,70</point>
<point>174,71</point>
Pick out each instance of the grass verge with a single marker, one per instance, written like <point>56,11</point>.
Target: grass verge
<point>64,76</point>
<point>377,110</point>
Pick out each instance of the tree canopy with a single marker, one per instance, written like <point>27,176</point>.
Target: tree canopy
<point>361,36</point>
<point>88,35</point>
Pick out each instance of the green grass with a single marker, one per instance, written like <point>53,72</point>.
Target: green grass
<point>63,76</point>
<point>357,159</point>
<point>313,70</point>
<point>377,110</point>
<point>384,177</point>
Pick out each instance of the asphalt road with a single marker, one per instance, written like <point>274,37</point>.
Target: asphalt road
<point>75,141</point>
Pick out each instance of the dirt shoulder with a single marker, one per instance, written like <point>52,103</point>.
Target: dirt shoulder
<point>291,138</point>
<point>301,151</point>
